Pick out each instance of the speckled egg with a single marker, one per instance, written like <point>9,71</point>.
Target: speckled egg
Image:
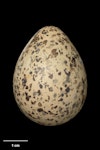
<point>49,81</point>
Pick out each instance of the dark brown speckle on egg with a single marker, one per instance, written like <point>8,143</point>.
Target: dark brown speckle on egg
<point>39,109</point>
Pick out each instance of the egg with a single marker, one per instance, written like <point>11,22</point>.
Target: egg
<point>49,80</point>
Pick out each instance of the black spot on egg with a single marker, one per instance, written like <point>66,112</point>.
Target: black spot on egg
<point>39,109</point>
<point>67,90</point>
<point>61,99</point>
<point>59,73</point>
<point>41,86</point>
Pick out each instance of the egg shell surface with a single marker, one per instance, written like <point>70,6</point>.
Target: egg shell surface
<point>49,81</point>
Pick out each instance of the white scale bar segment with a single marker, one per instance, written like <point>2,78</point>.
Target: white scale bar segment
<point>15,140</point>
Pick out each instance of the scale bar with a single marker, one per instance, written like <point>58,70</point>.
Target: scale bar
<point>15,140</point>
